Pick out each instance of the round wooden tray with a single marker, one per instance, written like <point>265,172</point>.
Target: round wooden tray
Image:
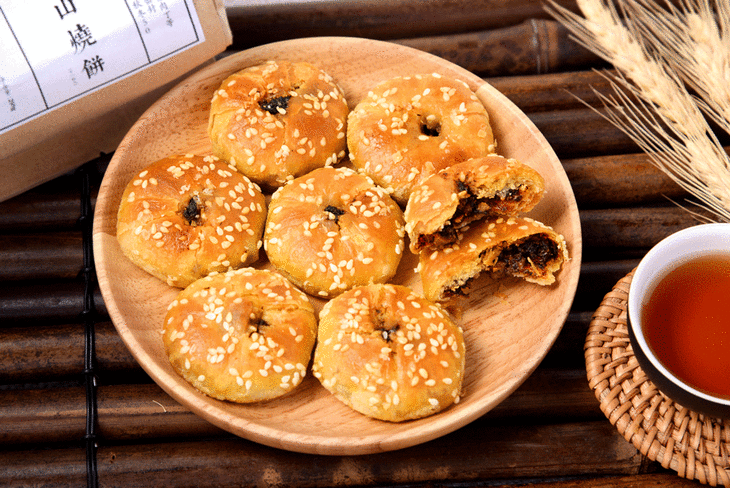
<point>695,446</point>
<point>509,326</point>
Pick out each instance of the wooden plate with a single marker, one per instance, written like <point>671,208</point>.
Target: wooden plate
<point>509,325</point>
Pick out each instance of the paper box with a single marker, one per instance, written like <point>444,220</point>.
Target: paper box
<point>76,74</point>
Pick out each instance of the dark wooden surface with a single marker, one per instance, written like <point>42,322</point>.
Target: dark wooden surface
<point>549,433</point>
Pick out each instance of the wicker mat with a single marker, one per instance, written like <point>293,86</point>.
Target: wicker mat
<point>695,446</point>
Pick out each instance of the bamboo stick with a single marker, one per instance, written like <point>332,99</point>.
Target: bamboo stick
<point>65,467</point>
<point>598,278</point>
<point>489,452</point>
<point>53,205</point>
<point>631,228</point>
<point>619,180</point>
<point>581,132</point>
<point>41,256</point>
<point>535,46</point>
<point>55,353</point>
<point>51,415</point>
<point>552,91</point>
<point>50,468</point>
<point>657,478</point>
<point>52,301</point>
<point>35,210</point>
<point>259,22</point>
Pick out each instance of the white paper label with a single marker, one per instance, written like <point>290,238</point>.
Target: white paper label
<point>54,51</point>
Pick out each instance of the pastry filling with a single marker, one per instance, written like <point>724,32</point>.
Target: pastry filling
<point>528,257</point>
<point>472,208</point>
<point>430,126</point>
<point>385,326</point>
<point>334,212</point>
<point>192,212</point>
<point>256,325</point>
<point>388,334</point>
<point>275,105</point>
<point>458,288</point>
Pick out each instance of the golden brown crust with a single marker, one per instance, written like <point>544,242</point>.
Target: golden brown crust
<point>480,187</point>
<point>186,216</point>
<point>333,229</point>
<point>244,336</point>
<point>513,246</point>
<point>389,353</point>
<point>278,120</point>
<point>408,128</point>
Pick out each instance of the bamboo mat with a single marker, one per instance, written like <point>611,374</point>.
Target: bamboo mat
<point>695,446</point>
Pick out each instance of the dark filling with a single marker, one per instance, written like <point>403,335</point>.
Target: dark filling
<point>470,209</point>
<point>256,325</point>
<point>385,326</point>
<point>521,259</point>
<point>192,212</point>
<point>440,238</point>
<point>273,105</point>
<point>386,333</point>
<point>431,128</point>
<point>458,291</point>
<point>334,211</point>
<point>513,260</point>
<point>505,201</point>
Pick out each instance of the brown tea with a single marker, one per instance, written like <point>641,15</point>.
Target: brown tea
<point>686,323</point>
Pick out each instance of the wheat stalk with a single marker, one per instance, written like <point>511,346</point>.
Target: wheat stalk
<point>694,39</point>
<point>664,120</point>
<point>639,121</point>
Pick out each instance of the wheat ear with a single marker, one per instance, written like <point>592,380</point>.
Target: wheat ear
<point>666,121</point>
<point>694,39</point>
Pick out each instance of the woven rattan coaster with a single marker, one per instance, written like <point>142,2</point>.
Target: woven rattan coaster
<point>695,446</point>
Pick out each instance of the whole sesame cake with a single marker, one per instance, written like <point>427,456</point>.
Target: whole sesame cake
<point>388,353</point>
<point>278,120</point>
<point>186,216</point>
<point>334,229</point>
<point>245,335</point>
<point>408,128</point>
